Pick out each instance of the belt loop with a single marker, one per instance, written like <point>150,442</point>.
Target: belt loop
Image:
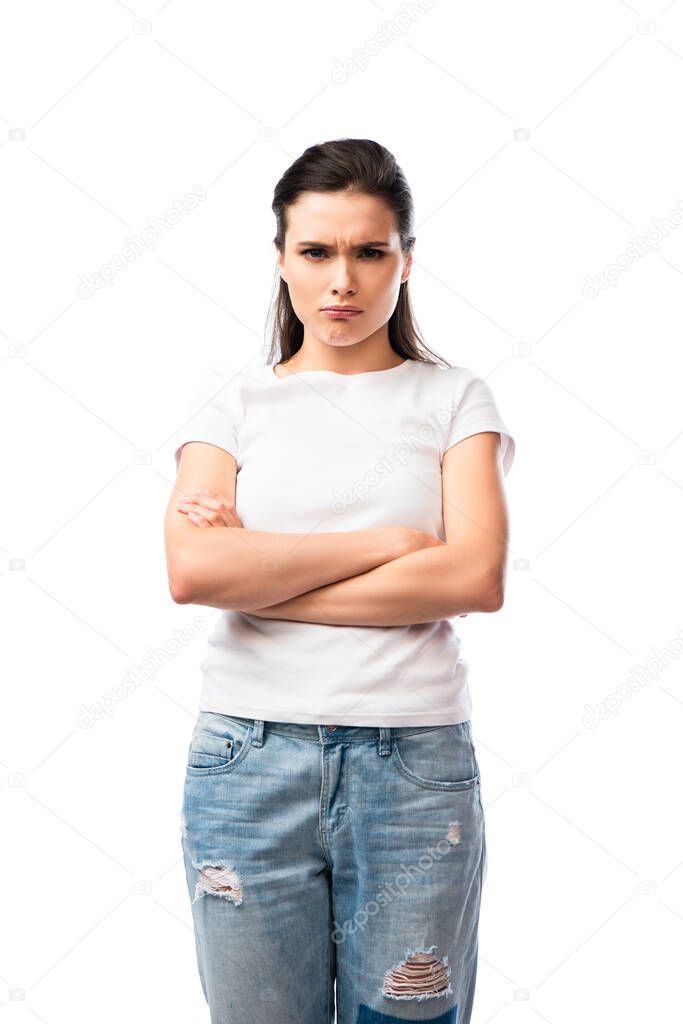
<point>384,741</point>
<point>257,732</point>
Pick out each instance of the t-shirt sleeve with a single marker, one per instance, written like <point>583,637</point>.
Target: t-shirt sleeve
<point>475,412</point>
<point>212,415</point>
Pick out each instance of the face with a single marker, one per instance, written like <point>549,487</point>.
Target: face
<point>328,261</point>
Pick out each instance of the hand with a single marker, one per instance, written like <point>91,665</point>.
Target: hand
<point>207,508</point>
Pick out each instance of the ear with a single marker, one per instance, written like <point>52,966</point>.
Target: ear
<point>280,263</point>
<point>407,264</point>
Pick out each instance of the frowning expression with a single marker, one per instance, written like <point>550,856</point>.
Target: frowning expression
<point>342,249</point>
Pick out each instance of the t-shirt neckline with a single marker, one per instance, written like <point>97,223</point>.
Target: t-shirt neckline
<point>270,371</point>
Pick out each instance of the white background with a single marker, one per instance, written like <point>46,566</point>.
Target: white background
<point>539,139</point>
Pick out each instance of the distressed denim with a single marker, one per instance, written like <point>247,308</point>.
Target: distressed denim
<point>333,869</point>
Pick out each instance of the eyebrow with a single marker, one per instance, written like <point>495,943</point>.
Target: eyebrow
<point>363,245</point>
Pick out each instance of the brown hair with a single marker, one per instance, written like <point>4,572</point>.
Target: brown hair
<point>360,166</point>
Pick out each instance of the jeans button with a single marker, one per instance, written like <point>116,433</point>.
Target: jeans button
<point>330,728</point>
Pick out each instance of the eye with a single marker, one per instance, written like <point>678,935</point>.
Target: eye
<point>378,254</point>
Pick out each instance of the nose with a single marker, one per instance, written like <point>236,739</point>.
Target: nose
<point>342,281</point>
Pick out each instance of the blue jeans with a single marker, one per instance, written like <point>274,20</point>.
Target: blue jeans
<point>322,854</point>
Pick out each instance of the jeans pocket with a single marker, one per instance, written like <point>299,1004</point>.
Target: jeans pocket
<point>219,743</point>
<point>439,758</point>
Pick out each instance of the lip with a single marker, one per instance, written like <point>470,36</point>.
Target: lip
<point>340,312</point>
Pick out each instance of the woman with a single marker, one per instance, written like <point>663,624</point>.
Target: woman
<point>332,826</point>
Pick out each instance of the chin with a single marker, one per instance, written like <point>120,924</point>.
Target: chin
<point>340,339</point>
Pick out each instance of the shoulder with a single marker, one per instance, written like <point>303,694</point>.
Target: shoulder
<point>473,409</point>
<point>449,384</point>
<point>448,375</point>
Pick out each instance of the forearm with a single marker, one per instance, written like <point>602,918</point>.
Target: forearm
<point>424,586</point>
<point>235,568</point>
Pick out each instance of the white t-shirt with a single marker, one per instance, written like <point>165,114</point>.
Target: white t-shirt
<point>330,452</point>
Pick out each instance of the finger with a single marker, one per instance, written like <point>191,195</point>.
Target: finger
<point>193,506</point>
<point>214,502</point>
<point>206,499</point>
<point>207,515</point>
<point>226,514</point>
<point>186,507</point>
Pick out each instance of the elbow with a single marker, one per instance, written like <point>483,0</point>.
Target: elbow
<point>179,591</point>
<point>495,602</point>
<point>179,584</point>
<point>190,566</point>
<point>491,592</point>
<point>179,595</point>
<point>195,575</point>
<point>193,584</point>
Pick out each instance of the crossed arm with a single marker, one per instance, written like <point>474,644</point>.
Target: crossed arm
<point>438,581</point>
<point>424,586</point>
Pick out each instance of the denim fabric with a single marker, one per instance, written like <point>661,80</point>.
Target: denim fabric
<point>321,854</point>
